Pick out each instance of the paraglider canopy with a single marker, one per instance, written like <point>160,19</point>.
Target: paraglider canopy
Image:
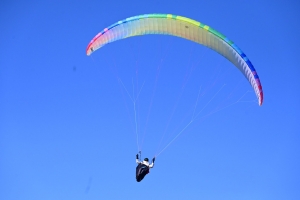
<point>183,27</point>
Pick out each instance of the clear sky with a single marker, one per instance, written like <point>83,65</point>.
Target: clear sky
<point>69,127</point>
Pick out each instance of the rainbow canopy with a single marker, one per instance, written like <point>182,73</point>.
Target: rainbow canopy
<point>181,27</point>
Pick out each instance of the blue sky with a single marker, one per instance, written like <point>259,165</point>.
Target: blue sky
<point>67,125</point>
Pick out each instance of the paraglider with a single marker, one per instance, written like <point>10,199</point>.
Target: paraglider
<point>174,25</point>
<point>143,168</point>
